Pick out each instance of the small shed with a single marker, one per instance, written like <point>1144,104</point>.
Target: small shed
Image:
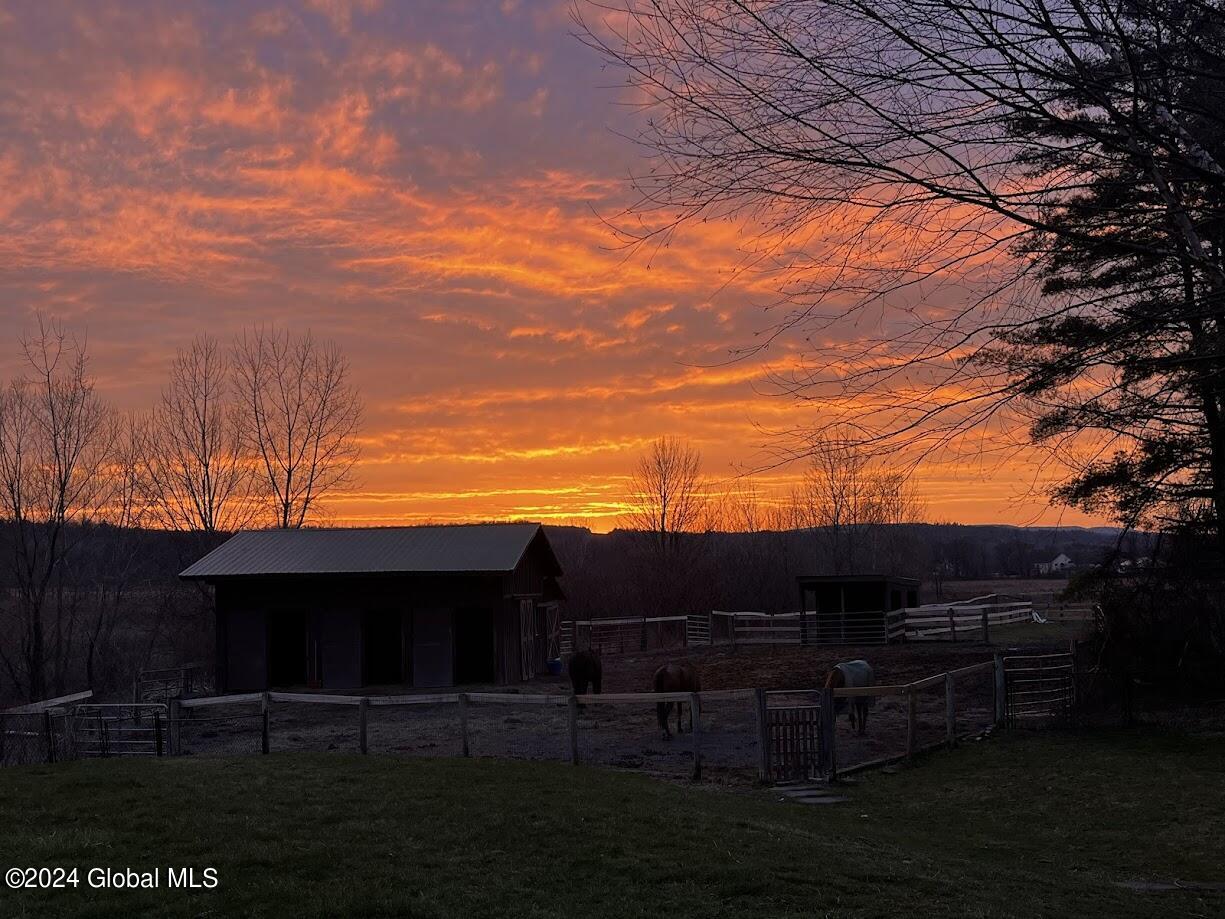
<point>855,608</point>
<point>428,606</point>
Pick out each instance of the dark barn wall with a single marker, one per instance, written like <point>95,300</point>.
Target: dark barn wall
<point>337,606</point>
<point>245,655</point>
<point>340,647</point>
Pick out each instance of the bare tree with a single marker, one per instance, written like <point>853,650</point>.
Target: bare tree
<point>666,507</point>
<point>298,418</point>
<point>667,495</point>
<point>196,476</point>
<point>102,591</point>
<point>1020,203</point>
<point>853,504</point>
<point>56,436</point>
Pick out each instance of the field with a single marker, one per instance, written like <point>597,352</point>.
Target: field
<point>967,589</point>
<point>1026,826</point>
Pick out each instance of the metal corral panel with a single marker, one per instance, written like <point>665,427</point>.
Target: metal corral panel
<point>486,548</point>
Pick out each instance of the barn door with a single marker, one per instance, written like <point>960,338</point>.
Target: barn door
<point>527,639</point>
<point>433,648</point>
<point>552,632</point>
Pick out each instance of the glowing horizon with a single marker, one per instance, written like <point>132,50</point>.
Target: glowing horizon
<point>423,184</point>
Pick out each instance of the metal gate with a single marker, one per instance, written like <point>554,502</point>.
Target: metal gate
<point>119,730</point>
<point>1039,688</point>
<point>795,750</point>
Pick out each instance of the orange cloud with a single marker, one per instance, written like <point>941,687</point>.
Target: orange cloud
<point>426,184</point>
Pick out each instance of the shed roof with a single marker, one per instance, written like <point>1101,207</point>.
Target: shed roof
<point>489,548</point>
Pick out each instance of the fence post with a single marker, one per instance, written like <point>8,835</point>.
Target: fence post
<point>102,738</point>
<point>363,708</point>
<point>1072,687</point>
<point>264,703</point>
<point>911,723</point>
<point>463,721</point>
<point>952,626</point>
<point>710,628</point>
<point>829,723</point>
<point>763,736</point>
<point>643,640</point>
<point>49,727</point>
<point>986,629</point>
<point>157,731</point>
<point>1000,690</point>
<point>950,710</point>
<point>176,715</point>
<point>695,728</point>
<point>573,706</point>
<point>733,631</point>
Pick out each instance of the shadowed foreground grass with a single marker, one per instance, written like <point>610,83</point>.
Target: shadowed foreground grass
<point>1028,826</point>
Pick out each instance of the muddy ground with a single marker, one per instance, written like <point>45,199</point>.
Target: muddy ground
<point>628,735</point>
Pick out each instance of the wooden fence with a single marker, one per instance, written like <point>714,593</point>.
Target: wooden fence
<point>627,634</point>
<point>464,701</point>
<point>37,732</point>
<point>789,733</point>
<point>959,621</point>
<point>792,740</point>
<point>162,685</point>
<point>972,620</point>
<point>968,620</point>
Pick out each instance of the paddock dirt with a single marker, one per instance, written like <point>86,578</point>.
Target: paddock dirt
<point>628,736</point>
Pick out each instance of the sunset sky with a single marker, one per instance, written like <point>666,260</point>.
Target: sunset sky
<point>424,183</point>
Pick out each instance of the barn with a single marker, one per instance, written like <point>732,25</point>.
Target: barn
<point>855,608</point>
<point>427,606</point>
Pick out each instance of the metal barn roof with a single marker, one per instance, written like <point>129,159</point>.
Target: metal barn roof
<point>491,548</point>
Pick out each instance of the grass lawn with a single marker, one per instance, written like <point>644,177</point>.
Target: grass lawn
<point>1019,826</point>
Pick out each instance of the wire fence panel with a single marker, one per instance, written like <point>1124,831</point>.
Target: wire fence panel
<point>625,635</point>
<point>628,735</point>
<point>421,729</point>
<point>300,726</point>
<point>507,728</point>
<point>730,742</point>
<point>33,737</point>
<point>233,729</point>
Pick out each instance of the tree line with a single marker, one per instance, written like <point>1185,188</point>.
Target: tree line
<point>253,433</point>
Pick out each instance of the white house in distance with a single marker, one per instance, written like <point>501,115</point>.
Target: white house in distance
<point>1059,564</point>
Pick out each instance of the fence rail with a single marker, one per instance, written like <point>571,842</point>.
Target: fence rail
<point>163,684</point>
<point>956,620</point>
<point>788,733</point>
<point>775,734</point>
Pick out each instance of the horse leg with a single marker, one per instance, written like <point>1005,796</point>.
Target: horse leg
<point>680,713</point>
<point>863,718</point>
<point>661,713</point>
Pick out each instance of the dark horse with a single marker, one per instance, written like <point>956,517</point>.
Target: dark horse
<point>681,677</point>
<point>585,670</point>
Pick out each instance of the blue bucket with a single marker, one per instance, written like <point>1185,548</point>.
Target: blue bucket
<point>554,666</point>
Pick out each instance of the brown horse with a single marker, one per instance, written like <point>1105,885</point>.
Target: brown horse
<point>586,670</point>
<point>682,677</point>
<point>853,674</point>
